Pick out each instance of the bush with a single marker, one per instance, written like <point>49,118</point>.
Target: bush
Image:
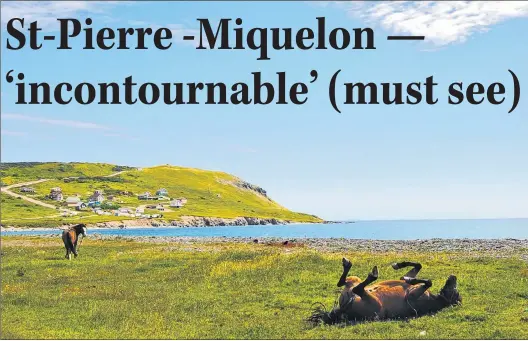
<point>109,206</point>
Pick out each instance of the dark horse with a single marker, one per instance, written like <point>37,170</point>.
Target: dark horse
<point>396,299</point>
<point>70,237</point>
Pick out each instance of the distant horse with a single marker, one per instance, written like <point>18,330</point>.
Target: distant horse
<point>70,237</point>
<point>396,299</point>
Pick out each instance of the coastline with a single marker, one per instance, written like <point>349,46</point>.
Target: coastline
<point>185,221</point>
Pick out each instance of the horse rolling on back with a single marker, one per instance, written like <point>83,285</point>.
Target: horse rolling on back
<point>393,299</point>
<point>70,237</point>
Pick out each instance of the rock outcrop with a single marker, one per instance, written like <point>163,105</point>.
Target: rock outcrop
<point>193,221</point>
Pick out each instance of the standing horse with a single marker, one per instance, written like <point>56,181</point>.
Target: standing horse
<point>70,237</point>
<point>396,299</point>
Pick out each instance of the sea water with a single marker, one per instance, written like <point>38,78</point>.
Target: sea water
<point>380,229</point>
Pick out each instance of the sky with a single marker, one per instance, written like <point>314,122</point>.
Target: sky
<point>369,162</point>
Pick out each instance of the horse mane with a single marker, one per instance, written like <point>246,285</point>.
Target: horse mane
<point>78,228</point>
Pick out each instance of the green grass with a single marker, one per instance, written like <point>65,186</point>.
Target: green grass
<point>14,208</point>
<point>13,173</point>
<point>124,289</point>
<point>209,193</point>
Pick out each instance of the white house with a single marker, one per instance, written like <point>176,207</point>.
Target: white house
<point>162,192</point>
<point>73,201</point>
<point>146,196</point>
<point>177,203</point>
<point>97,196</point>
<point>56,194</point>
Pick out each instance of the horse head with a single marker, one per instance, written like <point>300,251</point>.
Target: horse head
<point>80,229</point>
<point>450,292</point>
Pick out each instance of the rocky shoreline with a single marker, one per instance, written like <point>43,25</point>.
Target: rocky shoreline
<point>185,221</point>
<point>497,248</point>
<point>193,221</point>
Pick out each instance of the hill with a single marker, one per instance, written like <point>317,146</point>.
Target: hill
<point>208,194</point>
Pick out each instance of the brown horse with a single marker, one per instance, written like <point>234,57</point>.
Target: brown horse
<point>70,237</point>
<point>396,299</point>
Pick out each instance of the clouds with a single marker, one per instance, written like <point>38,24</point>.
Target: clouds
<point>105,131</point>
<point>64,123</point>
<point>47,12</point>
<point>6,132</point>
<point>178,30</point>
<point>441,22</point>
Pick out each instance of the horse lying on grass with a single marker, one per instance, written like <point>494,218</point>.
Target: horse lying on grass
<point>70,237</point>
<point>396,299</point>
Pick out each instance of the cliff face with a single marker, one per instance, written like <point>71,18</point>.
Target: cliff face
<point>251,187</point>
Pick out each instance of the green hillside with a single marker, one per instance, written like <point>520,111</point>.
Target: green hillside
<point>208,193</point>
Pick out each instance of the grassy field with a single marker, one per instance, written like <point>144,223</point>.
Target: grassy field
<point>209,193</point>
<point>18,209</point>
<point>125,289</point>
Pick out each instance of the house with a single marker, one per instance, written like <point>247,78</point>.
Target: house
<point>140,210</point>
<point>97,196</point>
<point>93,204</point>
<point>80,206</point>
<point>162,192</point>
<point>160,207</point>
<point>56,194</point>
<point>73,201</point>
<point>27,190</point>
<point>176,203</point>
<point>146,196</point>
<point>110,197</point>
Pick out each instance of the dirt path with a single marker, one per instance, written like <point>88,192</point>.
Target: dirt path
<point>113,174</point>
<point>7,190</point>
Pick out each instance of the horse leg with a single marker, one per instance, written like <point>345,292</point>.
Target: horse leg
<point>418,291</point>
<point>70,249</point>
<point>346,268</point>
<point>360,288</point>
<point>412,273</point>
<point>369,306</point>
<point>75,249</point>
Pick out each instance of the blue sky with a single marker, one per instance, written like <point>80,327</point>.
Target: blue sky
<point>370,162</point>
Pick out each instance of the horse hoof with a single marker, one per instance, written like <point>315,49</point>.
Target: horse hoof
<point>346,263</point>
<point>374,272</point>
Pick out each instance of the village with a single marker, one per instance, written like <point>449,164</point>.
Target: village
<point>100,204</point>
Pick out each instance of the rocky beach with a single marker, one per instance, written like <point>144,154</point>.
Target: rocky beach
<point>497,248</point>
